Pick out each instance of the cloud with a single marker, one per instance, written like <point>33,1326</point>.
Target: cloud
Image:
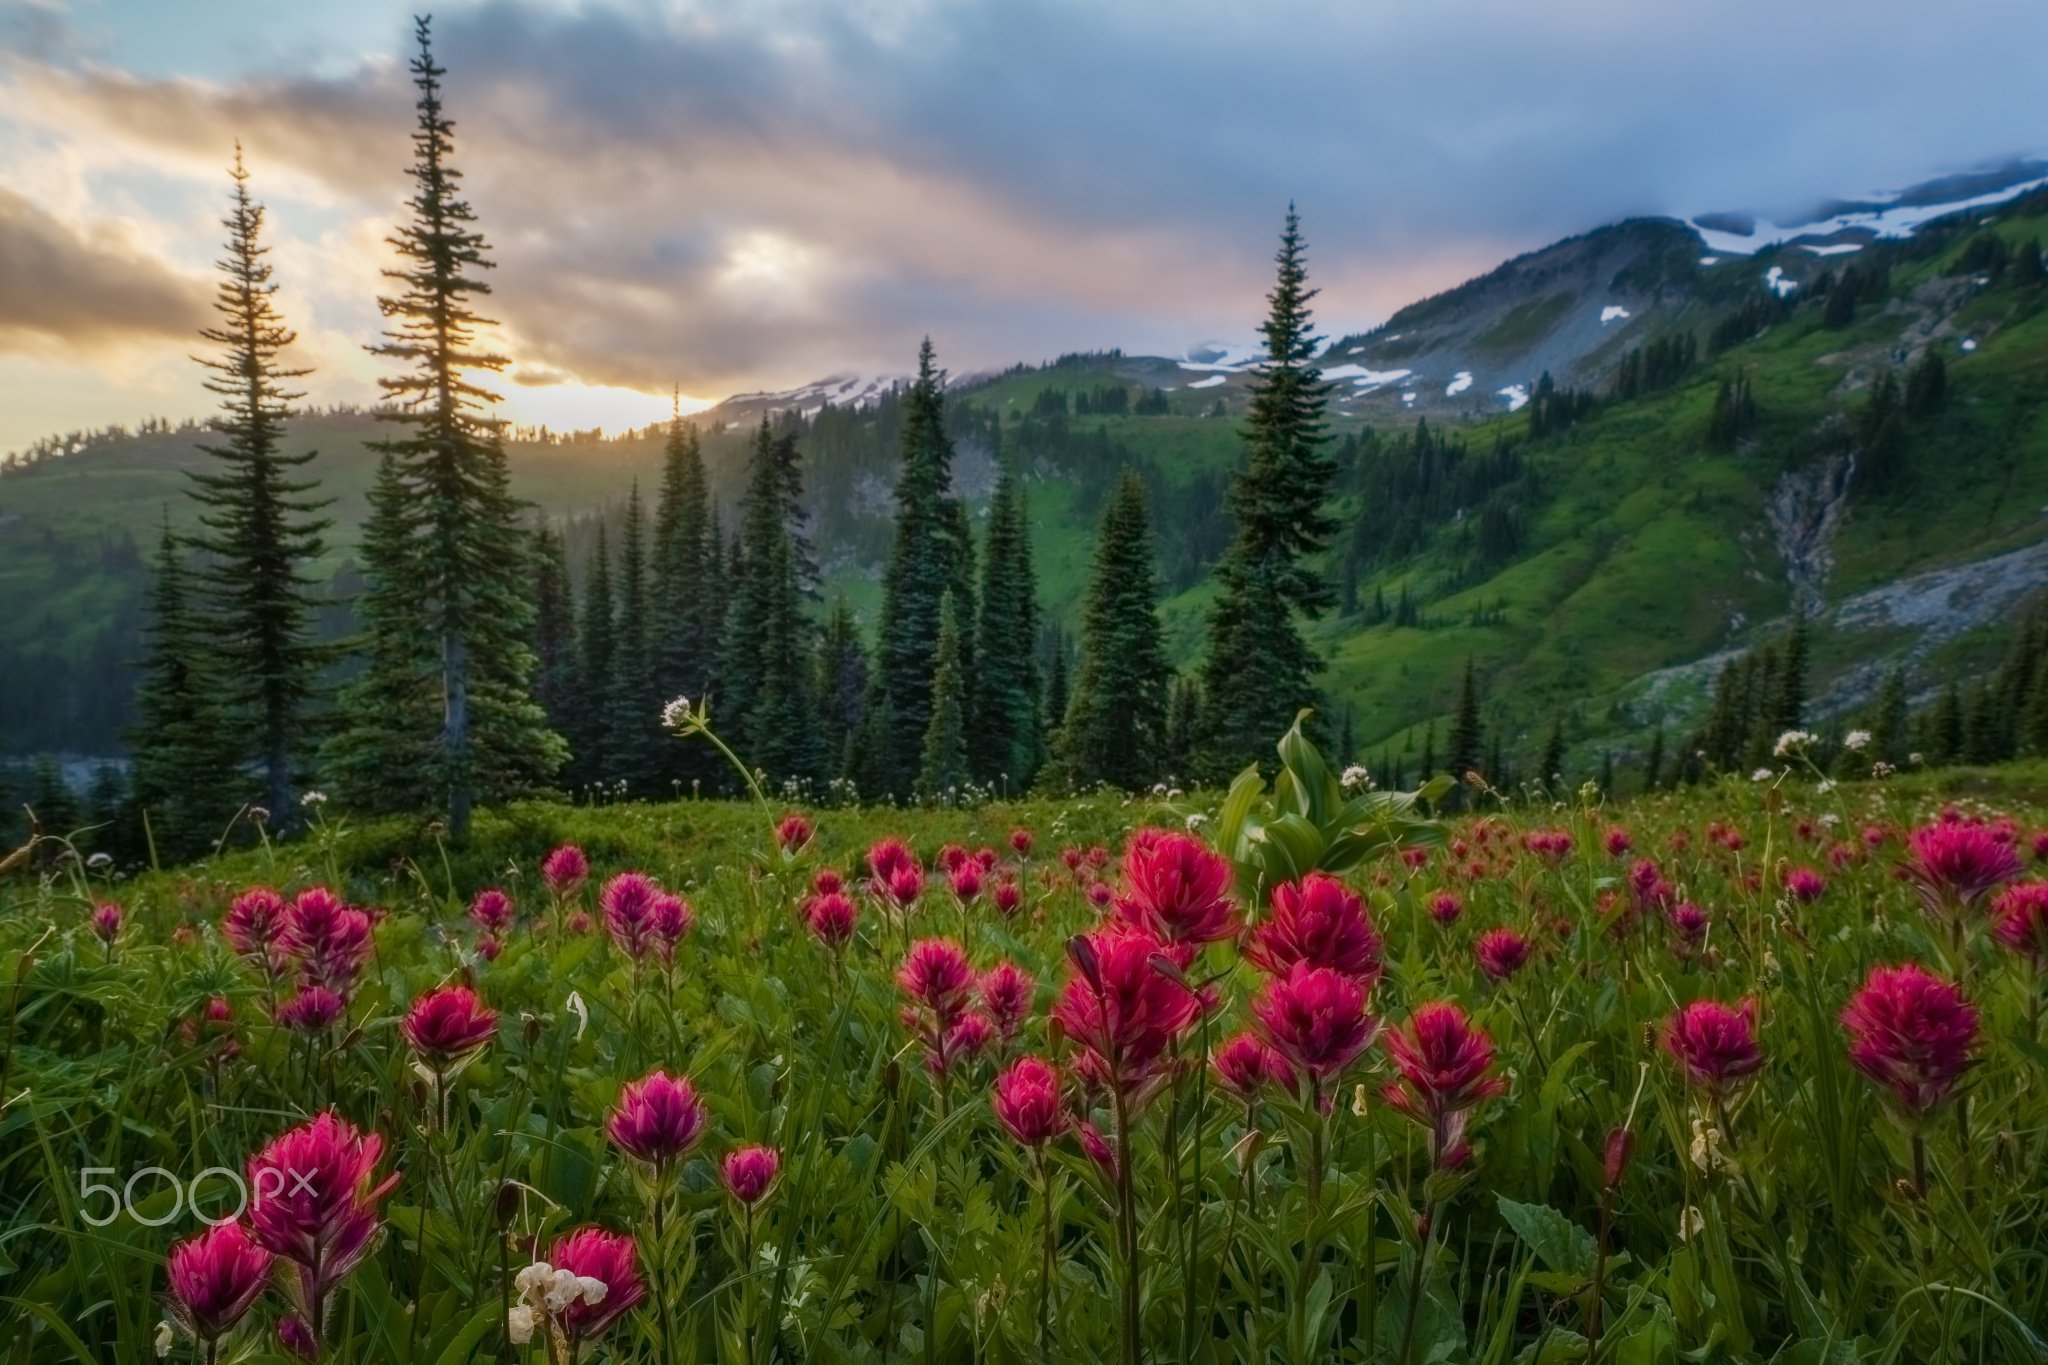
<point>80,290</point>
<point>747,197</point>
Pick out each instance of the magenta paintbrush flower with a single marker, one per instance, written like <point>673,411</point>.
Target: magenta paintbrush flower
<point>1953,864</point>
<point>1444,1062</point>
<point>215,1278</point>
<point>106,921</point>
<point>1177,889</point>
<point>252,927</point>
<point>1319,921</point>
<point>313,1201</point>
<point>1006,991</point>
<point>327,940</point>
<point>894,871</point>
<point>936,974</point>
<point>628,904</point>
<point>449,1027</point>
<point>1715,1044</point>
<point>832,918</point>
<point>1913,1034</point>
<point>749,1173</point>
<point>612,1261</point>
<point>491,910</point>
<point>657,1118</point>
<point>1028,1102</point>
<point>669,921</point>
<point>312,1009</point>
<point>793,833</point>
<point>564,870</point>
<point>966,880</point>
<point>1121,1008</point>
<point>1248,1063</point>
<point>1315,1017</point>
<point>1501,953</point>
<point>2020,919</point>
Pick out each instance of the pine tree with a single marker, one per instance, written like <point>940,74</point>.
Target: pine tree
<point>765,676</point>
<point>260,531</point>
<point>1184,726</point>
<point>1057,692</point>
<point>1467,738</point>
<point>1789,705</point>
<point>1009,743</point>
<point>1115,726</point>
<point>1946,728</point>
<point>468,567</point>
<point>380,756</point>
<point>942,767</point>
<point>184,743</point>
<point>634,725</point>
<point>842,688</point>
<point>683,615</point>
<point>1258,670</point>
<point>924,563</point>
<point>1888,721</point>
<point>596,752</point>
<point>554,631</point>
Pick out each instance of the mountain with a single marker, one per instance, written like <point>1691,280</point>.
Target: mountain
<point>1592,547</point>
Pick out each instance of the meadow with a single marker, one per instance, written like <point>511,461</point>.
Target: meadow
<point>1749,1072</point>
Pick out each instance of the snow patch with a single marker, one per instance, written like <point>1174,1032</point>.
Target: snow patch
<point>1969,343</point>
<point>1775,281</point>
<point>1710,260</point>
<point>1407,398</point>
<point>1896,220</point>
<point>1517,396</point>
<point>1363,378</point>
<point>1831,248</point>
<point>1613,312</point>
<point>1460,382</point>
<point>1211,382</point>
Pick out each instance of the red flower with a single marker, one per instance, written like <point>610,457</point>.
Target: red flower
<point>1248,1063</point>
<point>1688,921</point>
<point>1121,1008</point>
<point>1803,884</point>
<point>313,1200</point>
<point>564,870</point>
<point>1911,1032</point>
<point>1020,841</point>
<point>669,922</point>
<point>1444,1061</point>
<point>329,941</point>
<point>1617,841</point>
<point>1316,1019</point>
<point>831,917</point>
<point>1006,991</point>
<point>449,1026</point>
<point>886,857</point>
<point>1501,953</point>
<point>1028,1103</point>
<point>215,1278</point>
<point>253,925</point>
<point>1553,845</point>
<point>1445,907</point>
<point>750,1173</point>
<point>491,911</point>
<point>657,1118</point>
<point>312,1009</point>
<point>793,833</point>
<point>1320,921</point>
<point>935,973</point>
<point>1009,898</point>
<point>1179,888</point>
<point>106,921</point>
<point>2021,912</point>
<point>1715,1044</point>
<point>606,1257</point>
<point>628,904</point>
<point>1955,863</point>
<point>965,880</point>
<point>828,881</point>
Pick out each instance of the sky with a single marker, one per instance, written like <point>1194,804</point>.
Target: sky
<point>719,196</point>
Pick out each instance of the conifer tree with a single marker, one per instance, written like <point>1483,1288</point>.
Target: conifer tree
<point>1789,705</point>
<point>1550,767</point>
<point>468,566</point>
<point>634,725</point>
<point>925,562</point>
<point>1653,764</point>
<point>1466,736</point>
<point>842,689</point>
<point>1888,720</point>
<point>596,755</point>
<point>259,529</point>
<point>1115,727</point>
<point>683,615</point>
<point>942,766</point>
<point>1945,727</point>
<point>379,758</point>
<point>1259,669</point>
<point>1429,753</point>
<point>184,745</point>
<point>1009,743</point>
<point>1184,724</point>
<point>554,631</point>
<point>766,675</point>
<point>1057,692</point>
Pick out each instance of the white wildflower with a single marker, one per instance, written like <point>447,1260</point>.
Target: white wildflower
<point>1882,769</point>
<point>519,1324</point>
<point>99,862</point>
<point>564,1288</point>
<point>1856,741</point>
<point>591,1289</point>
<point>1762,775</point>
<point>1356,776</point>
<point>1792,742</point>
<point>532,1280</point>
<point>677,715</point>
<point>164,1339</point>
<point>313,798</point>
<point>1197,819</point>
<point>1826,785</point>
<point>1915,759</point>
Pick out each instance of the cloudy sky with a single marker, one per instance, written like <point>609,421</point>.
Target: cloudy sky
<point>743,194</point>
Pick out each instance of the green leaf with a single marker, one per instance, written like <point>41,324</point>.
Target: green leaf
<point>1562,1245</point>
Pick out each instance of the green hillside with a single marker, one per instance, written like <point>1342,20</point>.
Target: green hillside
<point>1619,542</point>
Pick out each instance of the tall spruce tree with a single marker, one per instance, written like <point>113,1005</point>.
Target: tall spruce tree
<point>842,689</point>
<point>596,754</point>
<point>684,613</point>
<point>767,674</point>
<point>635,721</point>
<point>942,758</point>
<point>925,562</point>
<point>1115,727</point>
<point>1005,701</point>
<point>259,529</point>
<point>469,568</point>
<point>1259,669</point>
<point>1467,739</point>
<point>554,631</point>
<point>184,744</point>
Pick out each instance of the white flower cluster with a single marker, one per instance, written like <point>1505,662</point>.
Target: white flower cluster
<point>1356,776</point>
<point>1856,741</point>
<point>1762,775</point>
<point>1792,742</point>
<point>677,715</point>
<point>544,1289</point>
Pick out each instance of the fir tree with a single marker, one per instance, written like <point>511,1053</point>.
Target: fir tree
<point>1789,705</point>
<point>1888,727</point>
<point>765,678</point>
<point>468,567</point>
<point>842,688</point>
<point>1009,743</point>
<point>596,754</point>
<point>1467,738</point>
<point>1057,693</point>
<point>1184,726</point>
<point>379,758</point>
<point>1258,669</point>
<point>942,767</point>
<point>554,631</point>
<point>683,615</point>
<point>924,562</point>
<point>634,725</point>
<point>1945,728</point>
<point>260,531</point>
<point>184,744</point>
<point>1115,726</point>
